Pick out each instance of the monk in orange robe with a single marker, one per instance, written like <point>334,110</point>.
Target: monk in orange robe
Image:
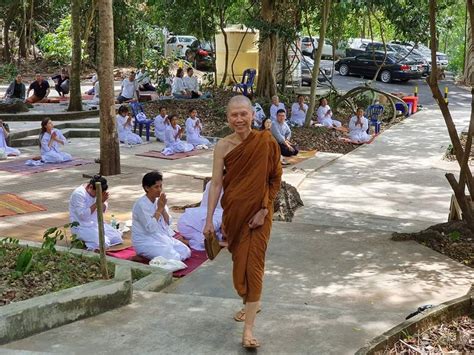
<point>251,161</point>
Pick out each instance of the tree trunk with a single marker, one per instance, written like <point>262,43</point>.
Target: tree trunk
<point>462,155</point>
<point>267,54</point>
<point>317,61</point>
<point>75,100</point>
<point>226,45</point>
<point>468,73</point>
<point>284,70</point>
<point>14,7</point>
<point>109,145</point>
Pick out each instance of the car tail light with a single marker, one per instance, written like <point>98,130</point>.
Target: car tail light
<point>202,52</point>
<point>405,67</point>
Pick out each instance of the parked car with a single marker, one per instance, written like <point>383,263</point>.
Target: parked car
<point>402,51</point>
<point>201,54</point>
<point>395,67</point>
<point>441,58</point>
<point>178,44</point>
<point>355,46</point>
<point>309,47</point>
<point>307,64</point>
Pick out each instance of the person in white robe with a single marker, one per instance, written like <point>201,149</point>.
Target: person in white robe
<point>358,126</point>
<point>298,112</point>
<point>151,232</point>
<point>161,122</point>
<point>124,127</point>
<point>173,142</point>
<point>178,89</point>
<point>83,209</point>
<point>4,148</point>
<point>275,106</point>
<point>324,114</point>
<point>192,221</point>
<point>51,139</point>
<point>193,130</point>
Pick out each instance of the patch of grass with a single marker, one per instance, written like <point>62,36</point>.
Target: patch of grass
<point>48,272</point>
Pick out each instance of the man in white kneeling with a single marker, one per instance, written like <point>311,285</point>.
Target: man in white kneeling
<point>83,209</point>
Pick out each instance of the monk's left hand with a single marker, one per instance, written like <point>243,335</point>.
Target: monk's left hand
<point>258,219</point>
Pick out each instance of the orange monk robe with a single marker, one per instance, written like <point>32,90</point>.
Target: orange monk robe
<point>251,182</point>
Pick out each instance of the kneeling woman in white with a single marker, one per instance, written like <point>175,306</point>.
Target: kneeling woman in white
<point>3,142</point>
<point>173,142</point>
<point>358,126</point>
<point>193,130</point>
<point>83,209</point>
<point>151,232</point>
<point>193,220</point>
<point>124,127</point>
<point>51,140</point>
<point>324,114</point>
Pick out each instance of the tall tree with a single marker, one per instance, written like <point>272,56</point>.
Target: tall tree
<point>75,100</point>
<point>462,154</point>
<point>109,145</point>
<point>317,60</point>
<point>267,53</point>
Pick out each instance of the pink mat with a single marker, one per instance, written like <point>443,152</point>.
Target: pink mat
<point>18,166</point>
<point>196,259</point>
<point>157,154</point>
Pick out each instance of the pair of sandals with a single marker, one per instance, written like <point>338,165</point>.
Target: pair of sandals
<point>247,343</point>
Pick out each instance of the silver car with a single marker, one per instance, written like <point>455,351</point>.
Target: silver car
<point>307,64</point>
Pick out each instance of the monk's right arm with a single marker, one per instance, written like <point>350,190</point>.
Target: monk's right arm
<point>216,184</point>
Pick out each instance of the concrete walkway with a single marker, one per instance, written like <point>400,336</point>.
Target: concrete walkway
<point>334,279</point>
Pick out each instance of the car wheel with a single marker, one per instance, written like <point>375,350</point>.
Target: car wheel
<point>344,70</point>
<point>386,76</point>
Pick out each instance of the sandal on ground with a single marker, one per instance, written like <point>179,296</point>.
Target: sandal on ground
<point>240,315</point>
<point>250,343</point>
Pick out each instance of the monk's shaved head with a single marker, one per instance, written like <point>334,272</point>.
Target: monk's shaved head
<point>240,100</point>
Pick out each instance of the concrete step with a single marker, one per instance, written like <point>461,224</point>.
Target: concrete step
<point>32,140</point>
<point>36,131</point>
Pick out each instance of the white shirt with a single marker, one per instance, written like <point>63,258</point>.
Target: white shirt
<point>274,109</point>
<point>129,88</point>
<point>323,113</point>
<point>142,78</point>
<point>80,208</point>
<point>170,134</point>
<point>298,115</point>
<point>144,223</point>
<point>178,86</point>
<point>191,83</point>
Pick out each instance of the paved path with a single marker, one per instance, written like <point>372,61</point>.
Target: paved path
<point>334,279</point>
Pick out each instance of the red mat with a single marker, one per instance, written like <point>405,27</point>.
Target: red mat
<point>196,259</point>
<point>159,155</point>
<point>18,166</point>
<point>66,98</point>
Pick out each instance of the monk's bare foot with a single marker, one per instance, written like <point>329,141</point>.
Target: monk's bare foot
<point>250,342</point>
<point>240,315</point>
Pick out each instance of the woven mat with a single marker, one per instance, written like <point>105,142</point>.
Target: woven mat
<point>11,204</point>
<point>18,166</point>
<point>302,155</point>
<point>159,155</point>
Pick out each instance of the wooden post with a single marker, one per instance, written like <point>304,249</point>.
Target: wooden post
<point>100,222</point>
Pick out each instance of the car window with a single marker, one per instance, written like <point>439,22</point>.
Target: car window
<point>171,40</point>
<point>442,57</point>
<point>185,39</point>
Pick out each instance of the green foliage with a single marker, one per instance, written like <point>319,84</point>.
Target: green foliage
<point>54,234</point>
<point>8,72</point>
<point>57,46</point>
<point>24,262</point>
<point>455,236</point>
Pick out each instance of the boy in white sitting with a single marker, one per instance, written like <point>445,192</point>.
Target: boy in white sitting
<point>129,90</point>
<point>298,112</point>
<point>83,209</point>
<point>151,232</point>
<point>276,105</point>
